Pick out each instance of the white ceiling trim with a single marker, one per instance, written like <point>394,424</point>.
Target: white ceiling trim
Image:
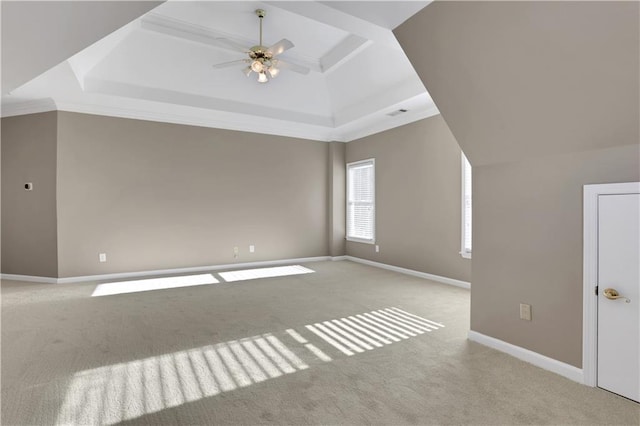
<point>379,122</point>
<point>86,60</point>
<point>338,19</point>
<point>126,90</point>
<point>379,101</point>
<point>341,53</point>
<point>375,123</point>
<point>28,107</point>
<point>206,118</point>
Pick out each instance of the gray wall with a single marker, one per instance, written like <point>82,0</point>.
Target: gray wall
<point>29,237</point>
<point>156,196</point>
<point>527,246</point>
<point>518,79</point>
<point>418,198</point>
<point>543,99</point>
<point>337,201</point>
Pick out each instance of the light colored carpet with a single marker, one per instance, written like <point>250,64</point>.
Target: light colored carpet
<point>343,344</point>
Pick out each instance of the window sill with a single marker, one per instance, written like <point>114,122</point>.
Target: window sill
<point>466,255</point>
<point>360,240</point>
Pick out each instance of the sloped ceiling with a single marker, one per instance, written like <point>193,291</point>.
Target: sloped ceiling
<point>160,67</point>
<point>522,79</point>
<point>37,35</point>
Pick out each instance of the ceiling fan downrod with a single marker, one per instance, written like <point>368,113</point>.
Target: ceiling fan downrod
<point>261,14</point>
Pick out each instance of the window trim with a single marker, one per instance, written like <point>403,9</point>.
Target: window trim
<point>373,202</point>
<point>463,252</point>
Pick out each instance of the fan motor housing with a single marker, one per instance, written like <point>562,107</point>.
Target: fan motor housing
<point>257,52</point>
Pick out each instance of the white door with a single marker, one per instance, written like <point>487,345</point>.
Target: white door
<point>619,294</point>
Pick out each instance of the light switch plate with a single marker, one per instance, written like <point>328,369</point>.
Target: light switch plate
<point>525,312</point>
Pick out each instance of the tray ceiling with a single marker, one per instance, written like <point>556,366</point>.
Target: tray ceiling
<point>159,67</point>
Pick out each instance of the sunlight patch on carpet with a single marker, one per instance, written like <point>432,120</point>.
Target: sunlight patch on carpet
<point>129,390</point>
<point>276,271</point>
<point>136,286</point>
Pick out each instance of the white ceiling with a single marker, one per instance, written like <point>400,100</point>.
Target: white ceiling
<point>159,67</point>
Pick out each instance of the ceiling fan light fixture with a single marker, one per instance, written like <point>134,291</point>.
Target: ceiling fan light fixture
<point>261,58</point>
<point>273,70</point>
<point>257,66</point>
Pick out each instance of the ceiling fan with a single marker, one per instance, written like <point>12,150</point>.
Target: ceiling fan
<point>262,60</point>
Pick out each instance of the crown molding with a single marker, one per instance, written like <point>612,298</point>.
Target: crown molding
<point>217,120</point>
<point>172,97</point>
<point>383,100</point>
<point>386,123</point>
<point>28,107</point>
<point>226,120</point>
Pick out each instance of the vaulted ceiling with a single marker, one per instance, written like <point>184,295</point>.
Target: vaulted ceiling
<point>160,67</point>
<point>516,80</point>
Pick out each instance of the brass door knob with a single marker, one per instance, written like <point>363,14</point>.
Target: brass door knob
<point>612,294</point>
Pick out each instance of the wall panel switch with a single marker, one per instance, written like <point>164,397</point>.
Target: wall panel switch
<point>525,312</point>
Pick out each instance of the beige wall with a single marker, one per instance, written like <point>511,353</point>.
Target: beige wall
<point>528,246</point>
<point>544,98</point>
<point>156,196</point>
<point>418,199</point>
<point>337,201</point>
<point>521,79</point>
<point>29,237</point>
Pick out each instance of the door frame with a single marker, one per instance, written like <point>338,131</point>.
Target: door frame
<point>590,273</point>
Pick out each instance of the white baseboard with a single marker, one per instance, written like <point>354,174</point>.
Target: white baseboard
<point>569,371</point>
<point>30,278</point>
<point>438,278</point>
<point>121,275</point>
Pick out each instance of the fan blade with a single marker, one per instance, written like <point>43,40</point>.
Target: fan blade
<point>280,47</point>
<point>231,63</point>
<point>232,45</point>
<point>292,67</point>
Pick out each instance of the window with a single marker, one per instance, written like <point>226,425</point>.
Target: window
<point>361,208</point>
<point>466,208</point>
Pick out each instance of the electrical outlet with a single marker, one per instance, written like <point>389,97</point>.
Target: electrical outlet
<point>236,252</point>
<point>252,248</point>
<point>377,248</point>
<point>525,312</point>
<point>102,257</point>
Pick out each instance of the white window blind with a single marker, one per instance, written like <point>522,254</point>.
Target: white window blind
<point>466,208</point>
<point>361,201</point>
